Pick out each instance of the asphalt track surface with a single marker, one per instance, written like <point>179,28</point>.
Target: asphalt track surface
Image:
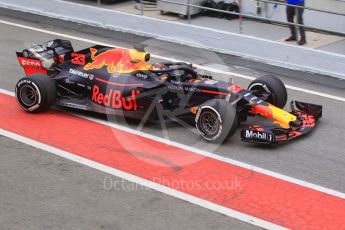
<point>44,191</point>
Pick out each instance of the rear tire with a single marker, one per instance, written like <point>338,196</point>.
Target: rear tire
<point>216,120</point>
<point>35,93</point>
<point>272,85</point>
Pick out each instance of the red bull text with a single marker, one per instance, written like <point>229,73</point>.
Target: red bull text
<point>114,99</point>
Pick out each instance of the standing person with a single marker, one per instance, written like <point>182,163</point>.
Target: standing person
<point>290,13</point>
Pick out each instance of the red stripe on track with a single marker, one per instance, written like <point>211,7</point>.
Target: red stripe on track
<point>259,195</point>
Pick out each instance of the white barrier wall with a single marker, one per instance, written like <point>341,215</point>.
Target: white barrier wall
<point>275,53</point>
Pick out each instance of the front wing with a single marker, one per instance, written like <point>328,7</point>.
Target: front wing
<point>307,114</point>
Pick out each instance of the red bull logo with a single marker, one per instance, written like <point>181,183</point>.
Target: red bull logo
<point>116,60</point>
<point>114,99</point>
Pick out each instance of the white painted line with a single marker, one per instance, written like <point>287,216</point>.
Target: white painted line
<point>138,180</point>
<point>168,59</point>
<point>210,155</point>
<point>7,92</point>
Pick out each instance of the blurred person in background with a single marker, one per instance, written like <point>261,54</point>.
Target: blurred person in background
<point>291,12</point>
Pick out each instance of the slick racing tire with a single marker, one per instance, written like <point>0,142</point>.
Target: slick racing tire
<point>216,120</point>
<point>35,93</point>
<point>271,86</point>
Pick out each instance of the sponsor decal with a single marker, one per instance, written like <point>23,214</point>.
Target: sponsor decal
<point>183,88</point>
<point>114,99</point>
<point>24,81</point>
<point>257,135</point>
<point>82,74</point>
<point>142,76</point>
<point>115,75</point>
<point>31,66</point>
<point>116,60</point>
<point>32,63</point>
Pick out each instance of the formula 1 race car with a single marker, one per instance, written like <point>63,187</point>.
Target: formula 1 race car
<point>121,82</point>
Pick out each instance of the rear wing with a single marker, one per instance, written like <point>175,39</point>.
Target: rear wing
<point>41,58</point>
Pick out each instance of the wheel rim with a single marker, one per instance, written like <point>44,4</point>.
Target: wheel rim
<point>28,95</point>
<point>209,123</point>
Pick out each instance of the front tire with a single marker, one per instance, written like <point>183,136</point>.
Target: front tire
<point>216,120</point>
<point>35,93</point>
<point>271,86</point>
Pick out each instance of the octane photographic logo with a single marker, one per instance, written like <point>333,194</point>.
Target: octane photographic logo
<point>169,125</point>
<point>232,183</point>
